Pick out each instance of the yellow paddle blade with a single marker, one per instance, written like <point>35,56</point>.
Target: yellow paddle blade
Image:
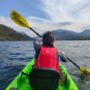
<point>18,19</point>
<point>85,71</point>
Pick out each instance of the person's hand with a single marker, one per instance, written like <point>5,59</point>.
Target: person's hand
<point>38,39</point>
<point>62,56</point>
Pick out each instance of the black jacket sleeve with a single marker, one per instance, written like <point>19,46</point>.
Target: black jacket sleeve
<point>37,44</point>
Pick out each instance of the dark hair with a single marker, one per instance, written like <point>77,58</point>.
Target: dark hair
<point>48,39</point>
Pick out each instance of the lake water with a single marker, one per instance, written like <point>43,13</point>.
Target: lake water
<point>14,55</point>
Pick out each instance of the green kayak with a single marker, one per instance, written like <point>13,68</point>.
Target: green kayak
<point>24,85</point>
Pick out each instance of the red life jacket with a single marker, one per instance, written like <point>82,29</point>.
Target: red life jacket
<point>47,59</point>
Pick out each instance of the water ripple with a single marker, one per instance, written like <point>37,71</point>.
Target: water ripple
<point>15,55</point>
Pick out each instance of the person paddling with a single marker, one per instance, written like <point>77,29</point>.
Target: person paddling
<point>47,57</point>
<point>47,47</point>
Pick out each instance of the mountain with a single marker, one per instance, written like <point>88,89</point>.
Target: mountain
<point>7,33</point>
<point>85,34</point>
<point>62,34</point>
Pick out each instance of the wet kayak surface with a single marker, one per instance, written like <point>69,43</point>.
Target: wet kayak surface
<point>14,55</point>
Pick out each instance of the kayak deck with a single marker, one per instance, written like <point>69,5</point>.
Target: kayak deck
<point>16,84</point>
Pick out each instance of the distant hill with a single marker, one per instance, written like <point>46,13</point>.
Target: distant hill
<point>7,33</point>
<point>70,35</point>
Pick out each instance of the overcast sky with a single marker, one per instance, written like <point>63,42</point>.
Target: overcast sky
<point>48,10</point>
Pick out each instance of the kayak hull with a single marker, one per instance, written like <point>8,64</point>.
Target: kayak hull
<point>17,84</point>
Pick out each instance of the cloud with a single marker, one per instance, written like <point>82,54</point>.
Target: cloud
<point>7,22</point>
<point>3,20</point>
<point>65,14</point>
<point>56,10</point>
<point>41,25</point>
<point>67,10</point>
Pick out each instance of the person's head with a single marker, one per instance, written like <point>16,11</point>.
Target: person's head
<point>48,39</point>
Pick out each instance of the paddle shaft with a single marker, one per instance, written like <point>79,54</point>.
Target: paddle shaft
<point>73,62</point>
<point>35,32</point>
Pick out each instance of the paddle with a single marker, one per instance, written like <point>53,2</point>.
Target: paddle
<point>83,70</point>
<point>20,20</point>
